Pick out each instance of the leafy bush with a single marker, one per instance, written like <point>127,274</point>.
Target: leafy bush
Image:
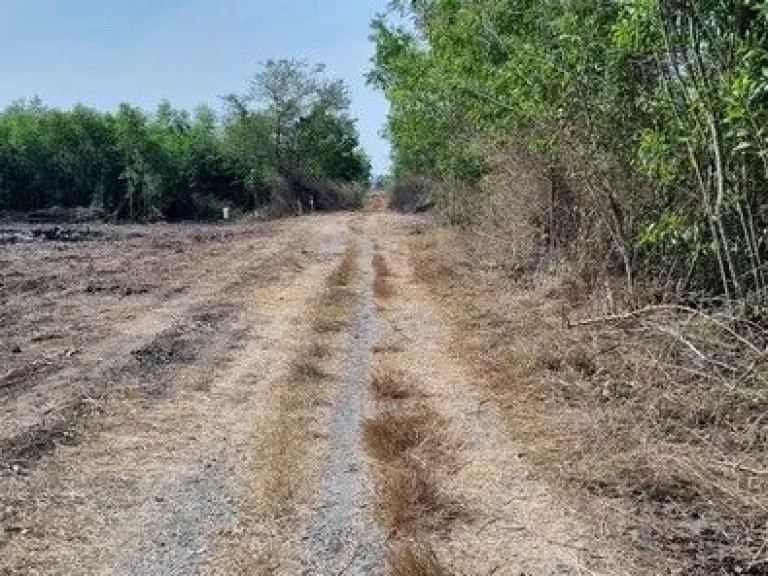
<point>640,109</point>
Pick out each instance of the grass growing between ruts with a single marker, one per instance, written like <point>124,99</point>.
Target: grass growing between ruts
<point>285,461</point>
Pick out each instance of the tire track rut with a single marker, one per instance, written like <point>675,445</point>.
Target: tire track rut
<point>343,535</point>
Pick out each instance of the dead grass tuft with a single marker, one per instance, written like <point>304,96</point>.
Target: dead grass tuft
<point>308,369</point>
<point>346,272</point>
<point>410,444</point>
<point>339,295</point>
<point>389,348</point>
<point>382,286</point>
<point>410,498</point>
<point>415,559</point>
<point>380,265</point>
<point>326,324</point>
<point>389,384</point>
<point>318,350</point>
<point>394,432</point>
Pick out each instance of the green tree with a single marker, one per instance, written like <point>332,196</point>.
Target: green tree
<point>290,132</point>
<point>652,111</point>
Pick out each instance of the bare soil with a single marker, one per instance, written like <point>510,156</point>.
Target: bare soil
<point>298,397</point>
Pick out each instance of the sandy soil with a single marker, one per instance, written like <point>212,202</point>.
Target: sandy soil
<point>139,370</point>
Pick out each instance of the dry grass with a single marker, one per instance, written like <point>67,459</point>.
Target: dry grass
<point>410,444</point>
<point>389,348</point>
<point>654,425</point>
<point>389,384</point>
<point>289,432</point>
<point>346,272</point>
<point>394,432</point>
<point>415,559</point>
<point>330,312</point>
<point>410,499</point>
<point>382,286</point>
<point>286,455</point>
<point>318,350</point>
<point>307,369</point>
<point>380,266</point>
<point>324,323</point>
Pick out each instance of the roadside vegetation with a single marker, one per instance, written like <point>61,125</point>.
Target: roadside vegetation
<point>602,166</point>
<point>629,135</point>
<point>288,141</point>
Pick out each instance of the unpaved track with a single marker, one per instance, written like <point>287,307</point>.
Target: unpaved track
<point>513,525</point>
<point>343,535</point>
<point>138,454</point>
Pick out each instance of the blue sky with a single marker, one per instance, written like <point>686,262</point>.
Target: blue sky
<point>103,52</point>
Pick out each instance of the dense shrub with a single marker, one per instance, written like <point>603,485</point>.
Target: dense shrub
<point>410,194</point>
<point>647,116</point>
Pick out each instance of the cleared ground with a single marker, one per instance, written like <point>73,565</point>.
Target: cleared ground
<point>281,398</point>
<point>130,368</point>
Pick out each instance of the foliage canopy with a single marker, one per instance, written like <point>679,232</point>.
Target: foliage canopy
<point>288,138</point>
<point>655,112</point>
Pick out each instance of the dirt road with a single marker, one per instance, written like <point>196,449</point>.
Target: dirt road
<point>255,399</point>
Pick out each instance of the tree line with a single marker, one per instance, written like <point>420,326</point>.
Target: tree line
<point>650,117</point>
<point>289,138</point>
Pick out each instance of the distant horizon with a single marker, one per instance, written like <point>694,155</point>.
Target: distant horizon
<point>102,54</point>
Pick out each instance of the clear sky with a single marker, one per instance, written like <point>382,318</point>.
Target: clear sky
<point>103,52</point>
